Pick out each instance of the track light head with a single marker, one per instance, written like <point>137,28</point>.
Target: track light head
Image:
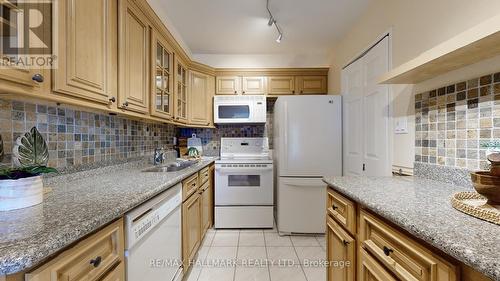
<point>280,36</point>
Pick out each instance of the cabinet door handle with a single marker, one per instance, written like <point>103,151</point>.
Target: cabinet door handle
<point>38,78</point>
<point>301,92</point>
<point>345,242</point>
<point>334,207</point>
<point>96,262</point>
<point>125,104</point>
<point>243,92</point>
<point>387,251</point>
<point>235,92</point>
<point>293,92</point>
<point>112,100</point>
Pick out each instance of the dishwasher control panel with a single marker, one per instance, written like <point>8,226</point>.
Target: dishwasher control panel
<point>141,221</point>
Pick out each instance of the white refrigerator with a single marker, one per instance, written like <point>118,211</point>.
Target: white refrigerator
<point>307,140</point>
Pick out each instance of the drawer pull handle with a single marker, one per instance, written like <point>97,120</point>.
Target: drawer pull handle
<point>345,242</point>
<point>387,251</point>
<point>38,78</point>
<point>334,207</point>
<point>96,262</point>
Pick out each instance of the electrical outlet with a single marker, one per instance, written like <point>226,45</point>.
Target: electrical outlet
<point>401,125</point>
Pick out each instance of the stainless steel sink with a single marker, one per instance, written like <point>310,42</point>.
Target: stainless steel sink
<point>172,167</point>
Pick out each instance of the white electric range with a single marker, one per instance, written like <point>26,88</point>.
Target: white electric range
<point>244,184</point>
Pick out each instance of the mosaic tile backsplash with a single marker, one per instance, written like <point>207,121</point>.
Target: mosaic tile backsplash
<point>453,123</point>
<point>79,137</point>
<point>210,138</point>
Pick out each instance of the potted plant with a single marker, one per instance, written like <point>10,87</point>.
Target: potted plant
<point>491,147</point>
<point>21,186</point>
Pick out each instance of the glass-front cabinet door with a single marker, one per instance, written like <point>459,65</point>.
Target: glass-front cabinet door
<point>162,96</point>
<point>181,98</point>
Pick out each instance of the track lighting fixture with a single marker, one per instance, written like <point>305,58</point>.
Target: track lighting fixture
<point>272,21</point>
<point>280,36</point>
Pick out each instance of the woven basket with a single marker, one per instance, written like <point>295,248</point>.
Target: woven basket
<point>474,204</point>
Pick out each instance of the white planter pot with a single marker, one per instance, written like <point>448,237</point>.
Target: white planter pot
<point>20,193</point>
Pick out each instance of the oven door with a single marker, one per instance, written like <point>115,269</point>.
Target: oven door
<point>243,184</point>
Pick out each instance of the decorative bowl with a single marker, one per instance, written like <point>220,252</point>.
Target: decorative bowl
<point>487,185</point>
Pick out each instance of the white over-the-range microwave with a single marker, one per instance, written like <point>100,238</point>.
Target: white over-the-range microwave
<point>239,109</point>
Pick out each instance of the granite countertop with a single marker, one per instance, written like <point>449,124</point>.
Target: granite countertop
<point>76,205</point>
<point>423,208</point>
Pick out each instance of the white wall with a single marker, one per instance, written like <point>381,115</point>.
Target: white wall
<point>263,60</point>
<point>416,26</point>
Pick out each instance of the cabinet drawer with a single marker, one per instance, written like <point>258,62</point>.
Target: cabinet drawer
<point>371,270</point>
<point>189,186</point>
<point>204,175</point>
<point>342,210</point>
<point>92,259</point>
<point>404,257</point>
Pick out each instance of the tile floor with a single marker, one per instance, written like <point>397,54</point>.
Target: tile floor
<point>258,255</point>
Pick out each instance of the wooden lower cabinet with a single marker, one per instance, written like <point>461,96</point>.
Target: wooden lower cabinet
<point>191,228</point>
<point>378,250</point>
<point>401,255</point>
<point>99,257</point>
<point>205,208</point>
<point>197,213</point>
<point>371,270</point>
<point>116,274</point>
<point>341,253</point>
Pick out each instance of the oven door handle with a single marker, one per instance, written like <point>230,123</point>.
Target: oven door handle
<point>243,169</point>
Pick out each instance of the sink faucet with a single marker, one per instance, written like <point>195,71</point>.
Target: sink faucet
<point>159,156</point>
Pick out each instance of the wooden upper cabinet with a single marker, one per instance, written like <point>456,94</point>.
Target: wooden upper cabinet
<point>280,85</point>
<point>14,79</point>
<point>199,99</point>
<point>87,44</point>
<point>340,247</point>
<point>211,94</point>
<point>181,91</point>
<point>228,85</point>
<point>254,85</point>
<point>311,85</point>
<point>134,58</point>
<point>162,70</point>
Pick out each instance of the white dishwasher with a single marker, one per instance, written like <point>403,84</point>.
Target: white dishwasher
<point>153,238</point>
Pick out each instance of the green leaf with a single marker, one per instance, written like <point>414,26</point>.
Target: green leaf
<point>41,170</point>
<point>31,150</point>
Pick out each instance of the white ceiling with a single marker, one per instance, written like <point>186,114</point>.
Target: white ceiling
<point>240,27</point>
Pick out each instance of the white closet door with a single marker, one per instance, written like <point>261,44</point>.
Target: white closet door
<point>352,91</point>
<point>376,111</point>
<point>366,114</point>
